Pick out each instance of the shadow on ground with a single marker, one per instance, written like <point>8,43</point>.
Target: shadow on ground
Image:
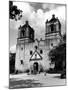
<point>57,77</point>
<point>23,84</point>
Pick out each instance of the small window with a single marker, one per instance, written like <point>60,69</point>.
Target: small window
<point>30,52</point>
<point>36,47</point>
<point>51,44</point>
<point>41,51</point>
<point>21,48</point>
<point>35,55</point>
<point>21,61</point>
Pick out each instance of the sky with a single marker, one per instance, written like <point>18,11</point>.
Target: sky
<point>36,14</point>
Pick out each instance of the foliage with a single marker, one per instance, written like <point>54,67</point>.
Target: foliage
<point>14,12</point>
<point>58,55</point>
<point>12,62</point>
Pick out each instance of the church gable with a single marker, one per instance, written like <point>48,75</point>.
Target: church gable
<point>36,56</point>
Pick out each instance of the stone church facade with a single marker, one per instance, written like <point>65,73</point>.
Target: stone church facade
<point>32,53</point>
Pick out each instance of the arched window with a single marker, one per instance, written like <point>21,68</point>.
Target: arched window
<point>21,48</point>
<point>51,44</point>
<point>23,33</point>
<point>30,52</point>
<point>21,61</point>
<point>41,51</point>
<point>36,47</point>
<point>52,28</point>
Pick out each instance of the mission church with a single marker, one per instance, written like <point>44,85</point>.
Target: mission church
<point>32,53</point>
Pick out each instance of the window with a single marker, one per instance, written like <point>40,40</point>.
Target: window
<point>21,61</point>
<point>52,28</point>
<point>30,52</point>
<point>35,56</point>
<point>36,47</point>
<point>51,44</point>
<point>41,51</point>
<point>21,48</point>
<point>23,33</point>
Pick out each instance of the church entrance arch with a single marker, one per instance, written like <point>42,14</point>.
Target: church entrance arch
<point>35,67</point>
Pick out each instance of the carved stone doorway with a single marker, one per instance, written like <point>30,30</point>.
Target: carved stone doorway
<point>35,68</point>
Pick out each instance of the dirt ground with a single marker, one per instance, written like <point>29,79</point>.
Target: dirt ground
<point>38,80</point>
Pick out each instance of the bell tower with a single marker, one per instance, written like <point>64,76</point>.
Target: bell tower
<point>53,31</point>
<point>24,40</point>
<point>25,33</point>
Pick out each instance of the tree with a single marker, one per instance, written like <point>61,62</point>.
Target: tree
<point>12,62</point>
<point>58,55</point>
<point>14,12</point>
